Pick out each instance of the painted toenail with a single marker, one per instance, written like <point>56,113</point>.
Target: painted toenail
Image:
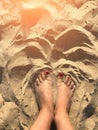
<point>47,72</point>
<point>61,75</point>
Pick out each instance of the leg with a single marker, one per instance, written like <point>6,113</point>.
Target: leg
<point>44,93</point>
<point>65,91</point>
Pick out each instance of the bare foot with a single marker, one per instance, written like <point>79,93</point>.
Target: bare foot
<point>44,93</point>
<point>65,89</point>
<point>44,90</point>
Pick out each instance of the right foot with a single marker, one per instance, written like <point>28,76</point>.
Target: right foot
<point>44,90</point>
<point>65,90</point>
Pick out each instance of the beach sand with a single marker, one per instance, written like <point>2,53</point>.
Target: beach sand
<point>64,40</point>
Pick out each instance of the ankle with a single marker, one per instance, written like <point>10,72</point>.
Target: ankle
<point>60,112</point>
<point>60,109</point>
<point>47,111</point>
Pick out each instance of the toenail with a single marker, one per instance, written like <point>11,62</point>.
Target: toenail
<point>47,72</point>
<point>61,75</point>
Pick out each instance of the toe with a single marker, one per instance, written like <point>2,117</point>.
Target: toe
<point>40,78</point>
<point>37,82</point>
<point>43,75</point>
<point>71,85</point>
<point>60,77</point>
<point>67,80</point>
<point>47,73</point>
<point>74,87</point>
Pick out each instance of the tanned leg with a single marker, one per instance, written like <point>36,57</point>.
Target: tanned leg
<point>44,93</point>
<point>65,88</point>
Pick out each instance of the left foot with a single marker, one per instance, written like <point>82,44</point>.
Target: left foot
<point>43,89</point>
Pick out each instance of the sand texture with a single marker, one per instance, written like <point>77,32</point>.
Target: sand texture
<point>63,37</point>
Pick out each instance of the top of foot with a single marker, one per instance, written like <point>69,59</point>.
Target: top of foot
<point>43,89</point>
<point>65,89</point>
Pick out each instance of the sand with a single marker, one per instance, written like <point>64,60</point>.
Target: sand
<point>65,40</point>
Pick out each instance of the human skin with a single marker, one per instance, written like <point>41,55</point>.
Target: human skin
<point>47,114</point>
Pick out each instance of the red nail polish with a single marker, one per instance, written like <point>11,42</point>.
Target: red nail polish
<point>60,75</point>
<point>47,72</point>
